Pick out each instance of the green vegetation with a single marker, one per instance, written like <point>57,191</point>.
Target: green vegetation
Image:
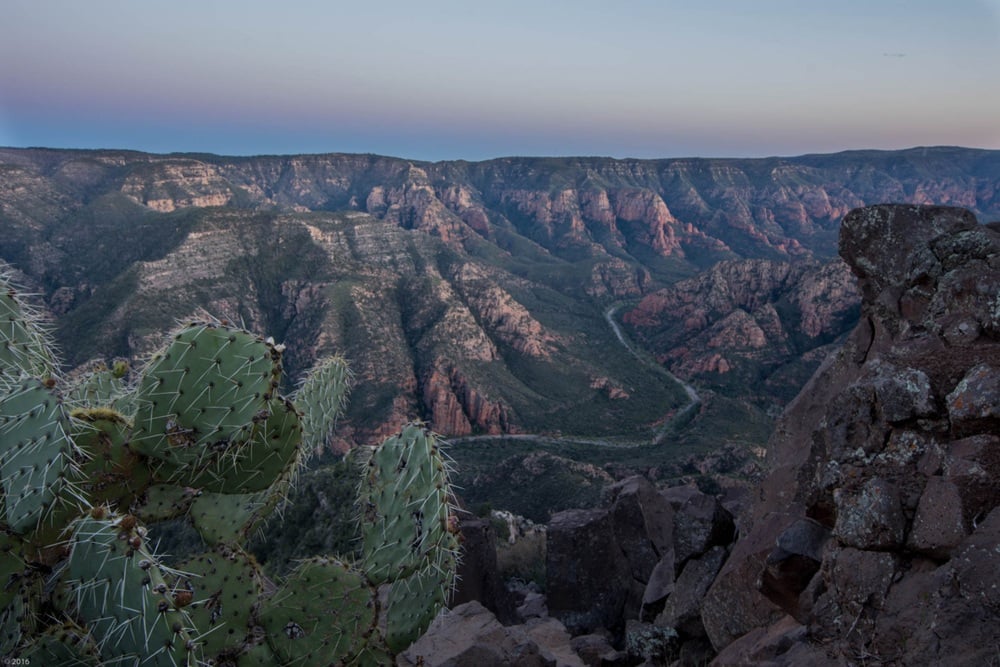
<point>204,439</point>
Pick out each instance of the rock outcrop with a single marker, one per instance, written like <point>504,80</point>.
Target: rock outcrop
<point>875,539</point>
<point>638,567</point>
<point>757,328</point>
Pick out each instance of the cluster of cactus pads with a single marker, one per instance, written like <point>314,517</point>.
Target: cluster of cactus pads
<point>203,435</point>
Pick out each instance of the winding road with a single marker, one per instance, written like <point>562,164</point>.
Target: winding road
<point>694,400</point>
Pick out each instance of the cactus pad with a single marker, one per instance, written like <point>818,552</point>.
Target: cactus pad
<point>228,518</point>
<point>37,456</point>
<point>322,397</point>
<point>111,472</point>
<point>198,396</point>
<point>63,645</point>
<point>117,589</point>
<point>272,444</point>
<point>25,348</point>
<point>324,613</point>
<point>413,603</point>
<point>162,502</point>
<point>225,585</point>
<point>103,387</point>
<point>406,516</point>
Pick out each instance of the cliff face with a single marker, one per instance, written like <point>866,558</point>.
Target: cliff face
<point>884,493</point>
<point>471,294</point>
<point>750,325</point>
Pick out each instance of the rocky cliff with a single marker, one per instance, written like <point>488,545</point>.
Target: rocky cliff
<point>471,294</point>
<point>875,536</point>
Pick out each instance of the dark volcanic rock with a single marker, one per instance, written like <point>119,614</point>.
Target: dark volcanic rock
<point>683,608</point>
<point>701,523</point>
<point>587,578</point>
<point>793,563</point>
<point>478,576</point>
<point>892,448</point>
<point>600,562</point>
<point>643,523</point>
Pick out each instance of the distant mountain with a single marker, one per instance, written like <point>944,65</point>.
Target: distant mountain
<point>470,294</point>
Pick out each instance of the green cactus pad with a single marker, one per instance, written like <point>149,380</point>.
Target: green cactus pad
<point>199,395</point>
<point>162,502</point>
<point>413,603</point>
<point>374,655</point>
<point>259,655</point>
<point>226,584</point>
<point>37,460</point>
<point>324,613</point>
<point>66,645</point>
<point>228,518</point>
<point>25,348</point>
<point>11,566</point>
<point>321,398</point>
<point>12,617</point>
<point>406,519</point>
<point>271,445</point>
<point>102,387</point>
<point>113,474</point>
<point>116,588</point>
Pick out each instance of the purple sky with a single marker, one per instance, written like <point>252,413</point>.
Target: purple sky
<point>449,79</point>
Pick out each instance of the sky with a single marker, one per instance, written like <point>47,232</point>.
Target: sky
<point>471,79</point>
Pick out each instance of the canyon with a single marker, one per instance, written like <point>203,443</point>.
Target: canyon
<point>472,295</point>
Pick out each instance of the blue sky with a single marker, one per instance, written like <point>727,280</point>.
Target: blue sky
<point>469,79</point>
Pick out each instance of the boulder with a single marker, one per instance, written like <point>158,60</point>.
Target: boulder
<point>974,403</point>
<point>470,634</point>
<point>661,584</point>
<point>683,608</point>
<point>588,579</point>
<point>792,564</point>
<point>553,641</point>
<point>870,517</point>
<point>652,644</point>
<point>643,523</point>
<point>701,523</point>
<point>734,605</point>
<point>596,651</point>
<point>771,646</point>
<point>478,575</point>
<point>938,526</point>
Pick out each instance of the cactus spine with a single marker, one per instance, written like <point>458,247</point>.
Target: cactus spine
<point>203,436</point>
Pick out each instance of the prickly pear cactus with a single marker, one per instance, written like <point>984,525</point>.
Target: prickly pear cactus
<point>38,460</point>
<point>25,347</point>
<point>117,589</point>
<point>205,437</point>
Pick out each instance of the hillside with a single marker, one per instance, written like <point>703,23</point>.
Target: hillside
<point>470,294</point>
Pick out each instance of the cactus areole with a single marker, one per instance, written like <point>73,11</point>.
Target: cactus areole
<point>204,436</point>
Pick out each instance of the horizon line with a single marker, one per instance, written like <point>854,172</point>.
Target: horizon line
<point>501,157</point>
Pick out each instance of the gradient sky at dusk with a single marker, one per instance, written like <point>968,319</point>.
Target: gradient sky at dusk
<point>470,79</point>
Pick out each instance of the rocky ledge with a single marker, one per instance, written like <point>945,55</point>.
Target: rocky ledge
<point>875,539</point>
<point>877,536</point>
